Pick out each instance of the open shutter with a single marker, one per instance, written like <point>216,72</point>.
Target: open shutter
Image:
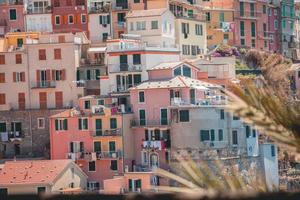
<point>130,185</point>
<point>38,74</point>
<point>108,19</point>
<point>14,76</point>
<point>100,19</point>
<point>65,124</point>
<point>71,147</point>
<point>53,75</point>
<point>48,75</point>
<point>63,74</point>
<point>56,125</point>
<point>23,76</point>
<point>79,124</point>
<point>81,147</point>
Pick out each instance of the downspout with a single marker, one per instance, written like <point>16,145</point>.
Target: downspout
<point>29,97</point>
<point>123,148</point>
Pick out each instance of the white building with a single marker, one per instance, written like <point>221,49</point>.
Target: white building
<point>99,24</point>
<point>155,26</point>
<point>38,15</point>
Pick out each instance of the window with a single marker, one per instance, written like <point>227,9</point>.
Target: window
<point>92,74</point>
<point>247,131</point>
<point>56,3</point>
<point>136,1</point>
<point>71,19</point>
<point>76,147</point>
<point>184,116</point>
<point>253,43</point>
<point>222,114</point>
<point>273,153</point>
<point>121,17</point>
<point>93,185</point>
<point>134,185</point>
<point>112,146</point>
<point>207,16</point>
<point>253,133</point>
<point>2,77</point>
<point>253,31</point>
<point>57,20</point>
<point>2,127</point>
<point>199,29</point>
<point>269,12</point>
<point>212,135</point>
<point>131,26</point>
<point>275,24</point>
<point>234,137</point>
<point>58,99</point>
<point>220,134</point>
<point>97,146</point>
<point>19,42</point>
<point>61,124</point>
<point>142,117</point>
<point>186,49</point>
<point>21,101</point>
<point>43,100</point>
<point>3,192</point>
<point>12,14</point>
<point>137,78</point>
<point>100,101</point>
<point>114,165</point>
<point>136,59</point>
<point>41,123</point>
<point>186,71</point>
<point>275,12</point>
<point>141,97</point>
<point>241,9</point>
<point>41,190</point>
<point>204,135</point>
<point>243,42</point>
<point>18,76</point>
<point>104,19</point>
<point>235,117</point>
<point>283,23</point>
<point>185,29</point>
<point>83,18</point>
<point>242,28</point>
<point>18,59</point>
<point>42,54</point>
<point>252,10</point>
<point>87,104</point>
<point>141,25</point>
<point>2,99</point>
<point>113,123</point>
<point>57,54</point>
<point>264,9</point>
<point>154,24</point>
<point>98,123</point>
<point>83,124</point>
<point>164,116</point>
<point>59,75</point>
<point>2,59</point>
<point>92,166</point>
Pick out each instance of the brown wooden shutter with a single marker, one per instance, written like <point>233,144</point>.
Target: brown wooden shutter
<point>2,77</point>
<point>43,100</point>
<point>63,74</point>
<point>65,17</point>
<point>48,75</point>
<point>23,76</point>
<point>2,99</point>
<point>53,75</point>
<point>14,76</point>
<point>21,100</point>
<point>58,99</point>
<point>2,59</point>
<point>38,74</point>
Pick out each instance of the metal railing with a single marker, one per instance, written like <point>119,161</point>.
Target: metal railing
<point>105,133</point>
<point>154,144</point>
<point>144,122</point>
<point>249,14</point>
<point>39,10</point>
<point>126,68</point>
<point>101,9</point>
<point>43,84</point>
<point>178,101</point>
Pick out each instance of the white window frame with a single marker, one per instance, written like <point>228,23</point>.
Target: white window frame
<point>38,123</point>
<point>57,16</point>
<point>139,97</point>
<point>81,17</point>
<point>82,128</point>
<point>18,77</point>
<point>69,19</point>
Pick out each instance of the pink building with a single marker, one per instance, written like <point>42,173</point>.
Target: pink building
<point>273,25</point>
<point>170,83</point>
<point>11,17</point>
<point>92,136</point>
<point>69,16</point>
<point>251,21</point>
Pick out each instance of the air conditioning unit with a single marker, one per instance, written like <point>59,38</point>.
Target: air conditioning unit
<point>114,155</point>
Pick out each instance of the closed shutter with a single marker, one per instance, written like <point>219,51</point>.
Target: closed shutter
<point>53,74</point>
<point>130,185</point>
<point>58,99</point>
<point>2,77</point>
<point>21,101</point>
<point>100,19</point>
<point>38,75</point>
<point>43,100</point>
<point>80,124</point>
<point>71,147</point>
<point>56,125</point>
<point>2,99</point>
<point>48,75</point>
<point>81,147</point>
<point>14,76</point>
<point>65,124</point>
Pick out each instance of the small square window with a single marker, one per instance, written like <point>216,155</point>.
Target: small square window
<point>41,123</point>
<point>184,115</point>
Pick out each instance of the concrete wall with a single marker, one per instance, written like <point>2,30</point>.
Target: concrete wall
<point>38,22</point>
<point>96,29</point>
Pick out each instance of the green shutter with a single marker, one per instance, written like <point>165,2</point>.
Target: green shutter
<point>65,124</point>
<point>130,185</point>
<point>88,74</point>
<point>112,146</point>
<point>142,114</point>
<point>212,135</point>
<point>164,116</point>
<point>80,124</point>
<point>98,127</point>
<point>113,123</point>
<point>85,124</point>
<point>56,124</point>
<point>97,74</point>
<point>97,146</point>
<point>220,135</point>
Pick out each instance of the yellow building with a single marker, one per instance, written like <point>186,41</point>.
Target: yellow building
<point>220,26</point>
<point>17,39</point>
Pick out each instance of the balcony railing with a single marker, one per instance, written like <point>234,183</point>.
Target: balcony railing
<point>120,6</point>
<point>121,24</point>
<point>99,9</point>
<point>39,10</point>
<point>11,136</point>
<point>216,100</point>
<point>156,144</point>
<point>107,133</point>
<point>126,68</point>
<point>151,123</point>
<point>43,84</point>
<point>248,14</point>
<point>97,155</point>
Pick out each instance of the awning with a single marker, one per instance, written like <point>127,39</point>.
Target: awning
<point>97,49</point>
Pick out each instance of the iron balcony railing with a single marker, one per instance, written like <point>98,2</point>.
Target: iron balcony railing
<point>43,84</point>
<point>106,133</point>
<point>154,144</point>
<point>153,123</point>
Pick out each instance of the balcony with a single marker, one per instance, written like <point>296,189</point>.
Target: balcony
<point>126,68</point>
<point>11,136</point>
<point>120,6</point>
<point>99,9</point>
<point>155,144</point>
<point>43,84</point>
<point>120,24</point>
<point>248,15</point>
<point>150,123</point>
<point>211,101</point>
<point>107,133</point>
<point>214,144</point>
<point>39,10</point>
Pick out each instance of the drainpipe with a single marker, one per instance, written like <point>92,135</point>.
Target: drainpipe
<point>123,152</point>
<point>29,96</point>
